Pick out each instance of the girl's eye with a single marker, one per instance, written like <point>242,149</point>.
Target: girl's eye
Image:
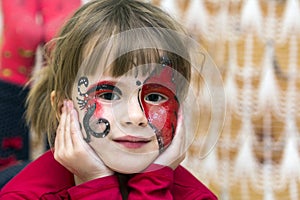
<point>155,98</point>
<point>109,96</point>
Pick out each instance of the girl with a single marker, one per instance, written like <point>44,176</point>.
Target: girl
<point>114,102</point>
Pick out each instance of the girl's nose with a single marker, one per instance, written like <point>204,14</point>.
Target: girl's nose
<point>136,115</point>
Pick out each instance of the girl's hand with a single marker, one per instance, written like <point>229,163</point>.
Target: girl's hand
<point>175,153</point>
<point>73,152</point>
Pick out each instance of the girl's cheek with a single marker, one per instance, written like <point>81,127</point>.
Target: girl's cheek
<point>99,110</point>
<point>94,114</point>
<point>163,118</point>
<point>98,113</point>
<point>93,122</point>
<point>169,128</point>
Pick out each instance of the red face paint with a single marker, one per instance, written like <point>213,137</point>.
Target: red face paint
<point>162,116</point>
<point>104,90</point>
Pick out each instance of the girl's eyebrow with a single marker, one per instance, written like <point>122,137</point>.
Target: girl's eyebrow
<point>104,85</point>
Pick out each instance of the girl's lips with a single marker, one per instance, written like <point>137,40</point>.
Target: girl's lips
<point>132,142</point>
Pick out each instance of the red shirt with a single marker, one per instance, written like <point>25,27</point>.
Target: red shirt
<point>45,179</point>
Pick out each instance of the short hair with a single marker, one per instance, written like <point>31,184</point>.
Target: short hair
<point>91,25</point>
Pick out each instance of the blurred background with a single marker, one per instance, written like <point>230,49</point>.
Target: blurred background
<point>255,45</point>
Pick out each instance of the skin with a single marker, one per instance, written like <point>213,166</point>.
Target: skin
<point>126,117</point>
<point>71,147</point>
<point>114,107</point>
<point>161,115</point>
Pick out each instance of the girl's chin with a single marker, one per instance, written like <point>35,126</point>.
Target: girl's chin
<point>130,164</point>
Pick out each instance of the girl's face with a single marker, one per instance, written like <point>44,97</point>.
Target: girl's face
<point>128,120</point>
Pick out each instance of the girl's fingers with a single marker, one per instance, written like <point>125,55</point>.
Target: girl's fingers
<point>175,153</point>
<point>75,128</point>
<point>74,120</point>
<point>79,145</point>
<point>71,147</point>
<point>182,136</point>
<point>67,134</point>
<point>59,139</point>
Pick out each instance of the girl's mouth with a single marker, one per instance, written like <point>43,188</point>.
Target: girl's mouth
<point>132,142</point>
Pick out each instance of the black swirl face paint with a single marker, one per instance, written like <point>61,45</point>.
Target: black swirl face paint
<point>87,125</point>
<point>82,102</point>
<point>87,100</point>
<point>138,83</point>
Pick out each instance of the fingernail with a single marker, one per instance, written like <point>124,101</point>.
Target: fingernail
<point>64,105</point>
<point>68,105</point>
<point>71,104</point>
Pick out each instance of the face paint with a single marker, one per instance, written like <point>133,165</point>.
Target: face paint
<point>138,83</point>
<point>87,122</point>
<point>159,102</point>
<point>92,120</point>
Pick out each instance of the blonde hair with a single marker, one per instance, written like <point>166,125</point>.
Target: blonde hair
<point>90,25</point>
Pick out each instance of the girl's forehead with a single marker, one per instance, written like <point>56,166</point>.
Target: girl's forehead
<point>114,59</point>
<point>131,81</point>
<point>139,74</point>
<point>117,71</point>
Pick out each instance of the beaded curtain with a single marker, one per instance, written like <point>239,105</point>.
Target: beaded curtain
<point>255,44</point>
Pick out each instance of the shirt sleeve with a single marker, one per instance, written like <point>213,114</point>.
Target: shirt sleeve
<point>161,182</point>
<point>188,187</point>
<point>153,184</point>
<point>17,196</point>
<point>102,188</point>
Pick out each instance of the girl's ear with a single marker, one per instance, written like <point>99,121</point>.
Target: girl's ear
<point>52,97</point>
<point>53,101</point>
